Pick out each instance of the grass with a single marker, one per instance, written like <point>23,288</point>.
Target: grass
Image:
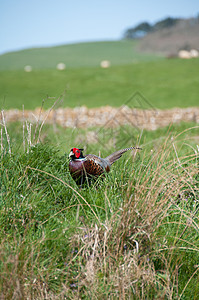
<point>164,84</point>
<point>75,55</point>
<point>135,237</point>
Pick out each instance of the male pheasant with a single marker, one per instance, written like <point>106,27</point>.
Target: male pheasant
<point>90,167</point>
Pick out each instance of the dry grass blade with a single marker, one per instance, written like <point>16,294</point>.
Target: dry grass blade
<point>6,132</point>
<point>43,122</point>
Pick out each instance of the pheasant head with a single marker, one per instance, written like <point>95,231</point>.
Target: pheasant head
<point>76,153</point>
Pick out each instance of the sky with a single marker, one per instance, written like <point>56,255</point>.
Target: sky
<point>43,23</point>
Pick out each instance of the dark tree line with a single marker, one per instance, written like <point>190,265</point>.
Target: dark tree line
<point>144,28</point>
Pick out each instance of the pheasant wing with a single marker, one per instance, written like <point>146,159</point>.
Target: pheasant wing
<point>95,165</point>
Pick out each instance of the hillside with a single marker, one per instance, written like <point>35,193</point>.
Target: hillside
<point>183,35</point>
<point>75,55</point>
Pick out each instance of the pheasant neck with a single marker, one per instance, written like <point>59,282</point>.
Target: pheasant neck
<point>79,159</point>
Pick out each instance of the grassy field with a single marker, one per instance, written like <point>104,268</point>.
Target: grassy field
<point>165,84</point>
<point>75,55</point>
<point>135,237</point>
<point>135,234</point>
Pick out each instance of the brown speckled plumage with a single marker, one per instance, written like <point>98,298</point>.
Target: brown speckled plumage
<point>85,168</point>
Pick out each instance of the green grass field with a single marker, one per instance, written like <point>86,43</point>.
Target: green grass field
<point>75,55</point>
<point>134,236</point>
<point>165,84</point>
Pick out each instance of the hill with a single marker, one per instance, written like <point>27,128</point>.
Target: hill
<point>75,55</point>
<point>184,35</point>
<point>166,36</point>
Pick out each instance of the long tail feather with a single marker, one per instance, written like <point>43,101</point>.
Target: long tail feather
<point>116,155</point>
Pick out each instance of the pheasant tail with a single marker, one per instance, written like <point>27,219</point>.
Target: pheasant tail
<point>116,155</point>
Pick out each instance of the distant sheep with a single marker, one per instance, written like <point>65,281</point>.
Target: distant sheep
<point>194,53</point>
<point>105,64</point>
<point>28,68</point>
<point>184,54</point>
<point>188,54</point>
<point>61,66</point>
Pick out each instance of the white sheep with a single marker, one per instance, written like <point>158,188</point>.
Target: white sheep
<point>194,53</point>
<point>184,54</point>
<point>105,64</point>
<point>28,68</point>
<point>61,66</point>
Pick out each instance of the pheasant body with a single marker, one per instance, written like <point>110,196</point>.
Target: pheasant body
<point>85,168</point>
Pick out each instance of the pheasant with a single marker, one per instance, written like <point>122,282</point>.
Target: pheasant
<point>90,167</point>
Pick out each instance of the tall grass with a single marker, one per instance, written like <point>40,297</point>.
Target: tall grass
<point>134,236</point>
<point>142,250</point>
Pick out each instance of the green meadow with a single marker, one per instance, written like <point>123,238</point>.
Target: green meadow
<point>133,235</point>
<point>164,83</point>
<point>75,55</point>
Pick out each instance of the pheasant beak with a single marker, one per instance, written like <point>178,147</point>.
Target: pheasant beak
<point>71,154</point>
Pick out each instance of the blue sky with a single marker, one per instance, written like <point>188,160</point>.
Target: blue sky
<point>40,23</point>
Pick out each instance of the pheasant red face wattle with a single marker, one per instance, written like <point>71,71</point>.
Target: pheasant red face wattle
<point>76,152</point>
